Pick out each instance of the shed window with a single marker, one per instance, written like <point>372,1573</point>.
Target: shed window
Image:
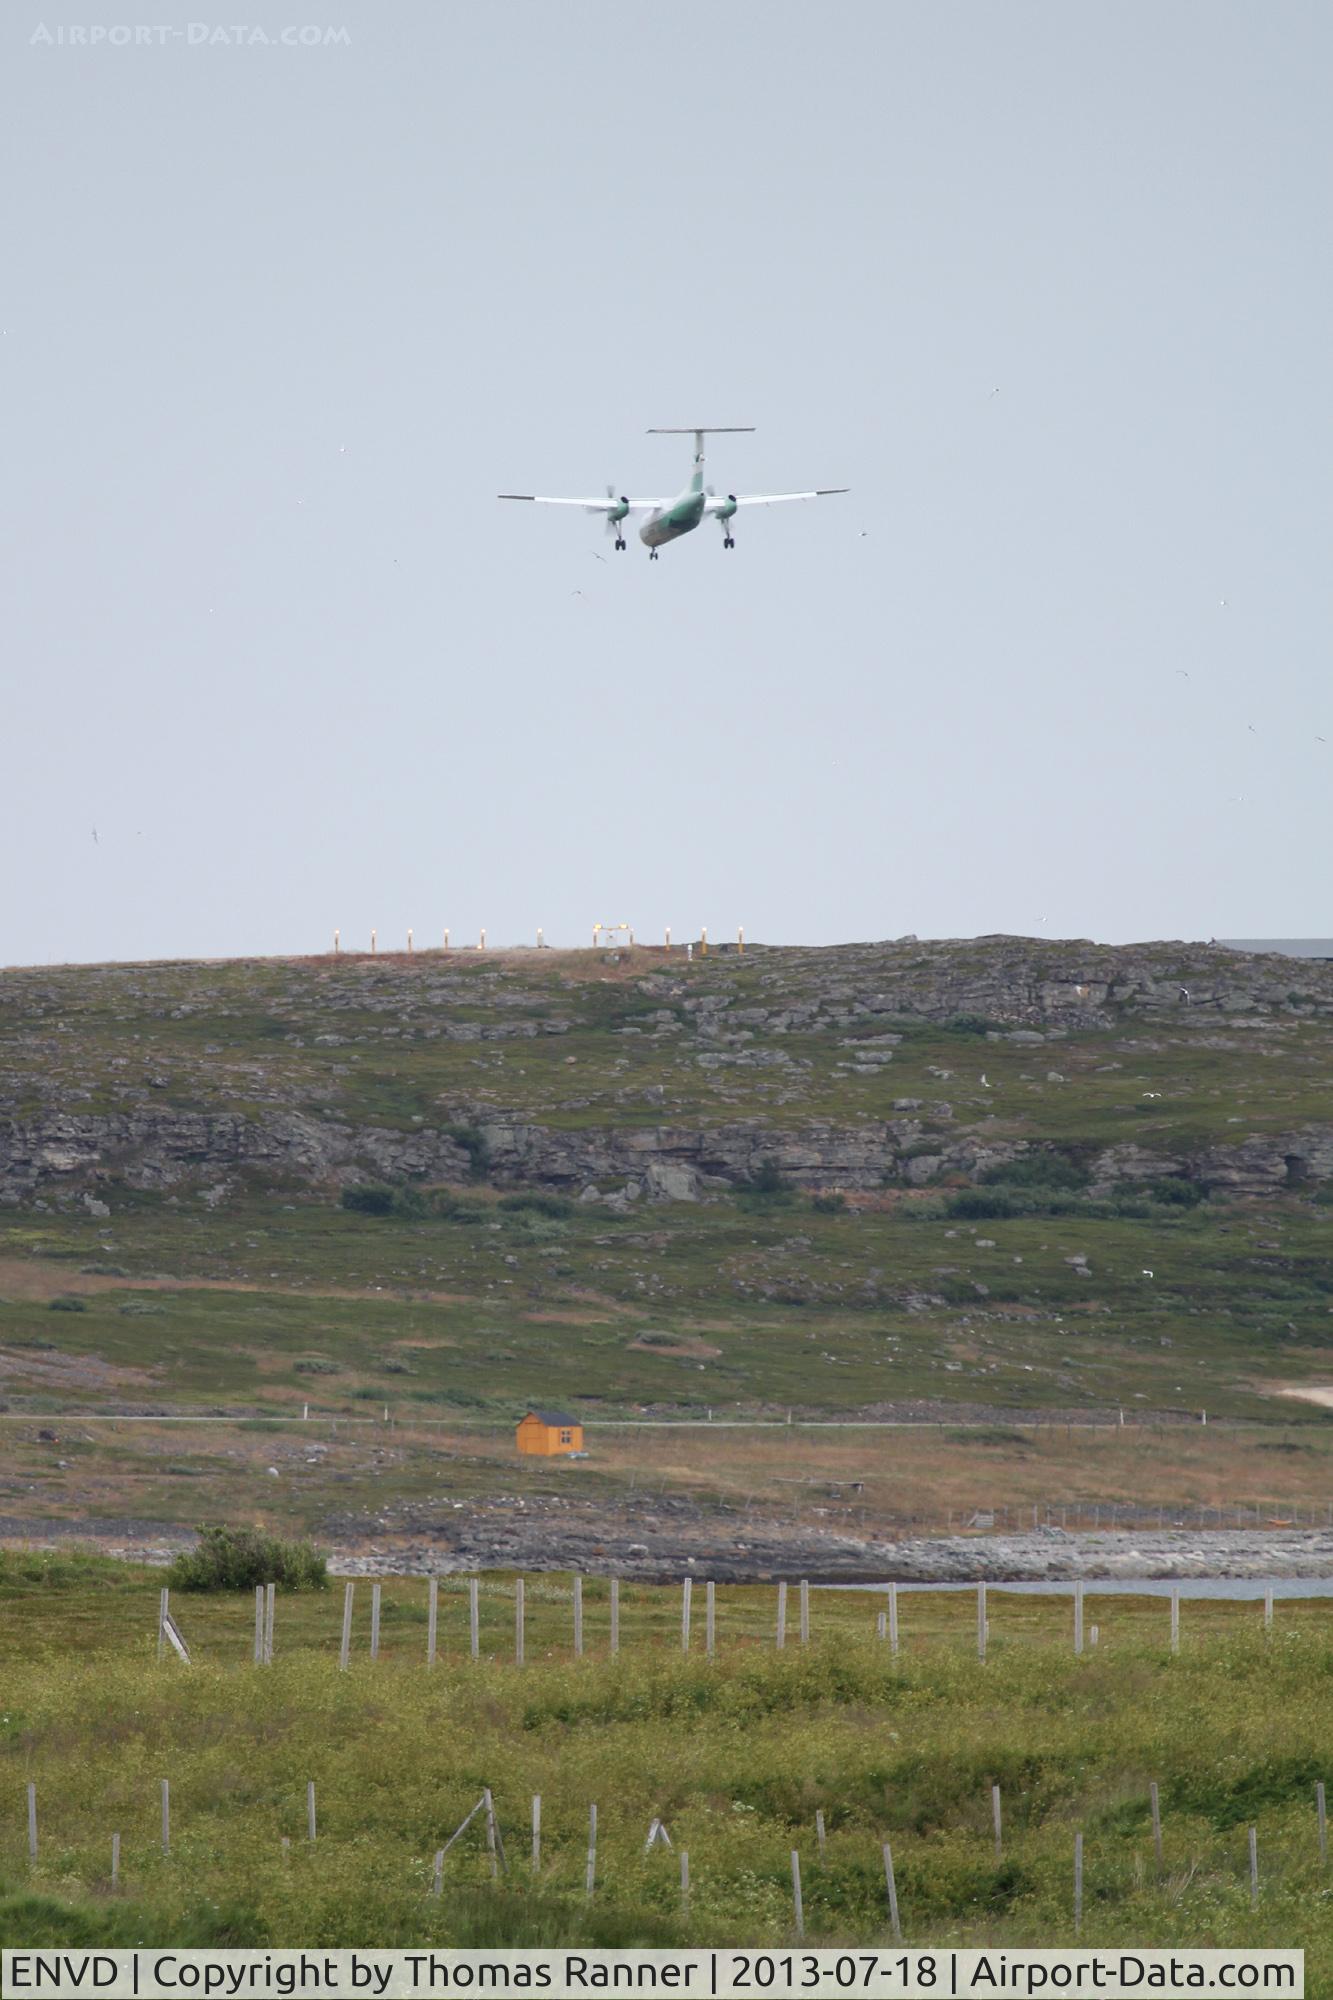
<point>566,1437</point>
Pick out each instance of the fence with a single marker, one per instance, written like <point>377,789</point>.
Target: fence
<point>888,1625</point>
<point>878,1852</point>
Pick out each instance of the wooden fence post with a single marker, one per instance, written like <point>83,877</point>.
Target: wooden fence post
<point>310,1809</point>
<point>881,1625</point>
<point>375,1589</point>
<point>270,1599</point>
<point>1254,1868</point>
<point>805,1611</point>
<point>892,1887</point>
<point>981,1621</point>
<point>1268,1609</point>
<point>432,1619</point>
<point>345,1649</point>
<point>615,1616</point>
<point>819,1830</point>
<point>32,1822</point>
<point>491,1845</point>
<point>162,1622</point>
<point>166,1816</point>
<point>1155,1803</point>
<point>437,1874</point>
<point>520,1611</point>
<point>710,1617</point>
<point>893,1617</point>
<point>536,1833</point>
<point>796,1893</point>
<point>782,1615</point>
<point>578,1616</point>
<point>591,1876</point>
<point>1078,1882</point>
<point>1175,1619</point>
<point>685,1590</point>
<point>996,1820</point>
<point>1078,1617</point>
<point>115,1860</point>
<point>474,1615</point>
<point>1321,1815</point>
<point>259,1624</point>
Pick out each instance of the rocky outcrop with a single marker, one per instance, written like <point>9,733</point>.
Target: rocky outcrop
<point>164,1149</point>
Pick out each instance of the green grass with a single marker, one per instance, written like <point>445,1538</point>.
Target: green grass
<point>736,1754</point>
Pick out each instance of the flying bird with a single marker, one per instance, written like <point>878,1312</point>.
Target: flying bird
<point>98,842</point>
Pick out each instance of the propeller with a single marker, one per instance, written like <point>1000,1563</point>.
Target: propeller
<point>612,522</point>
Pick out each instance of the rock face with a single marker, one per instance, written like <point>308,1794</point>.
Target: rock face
<point>754,1039</point>
<point>163,1149</point>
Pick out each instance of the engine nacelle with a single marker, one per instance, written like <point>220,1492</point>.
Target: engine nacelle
<point>724,509</point>
<point>619,510</point>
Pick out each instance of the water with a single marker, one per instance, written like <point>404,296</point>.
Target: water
<point>1247,1588</point>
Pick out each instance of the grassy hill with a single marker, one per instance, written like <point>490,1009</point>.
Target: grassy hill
<point>911,1179</point>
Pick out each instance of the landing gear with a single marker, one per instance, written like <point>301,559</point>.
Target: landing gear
<point>728,541</point>
<point>620,541</point>
<point>652,555</point>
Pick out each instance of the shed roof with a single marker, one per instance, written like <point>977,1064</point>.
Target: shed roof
<point>554,1417</point>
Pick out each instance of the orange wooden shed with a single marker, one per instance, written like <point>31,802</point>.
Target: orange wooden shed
<point>548,1433</point>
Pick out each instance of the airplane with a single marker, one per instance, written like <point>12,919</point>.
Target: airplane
<point>668,519</point>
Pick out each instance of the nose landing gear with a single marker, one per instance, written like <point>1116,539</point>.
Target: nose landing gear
<point>652,555</point>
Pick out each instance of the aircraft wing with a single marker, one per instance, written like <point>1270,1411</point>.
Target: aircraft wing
<point>602,506</point>
<point>721,500</point>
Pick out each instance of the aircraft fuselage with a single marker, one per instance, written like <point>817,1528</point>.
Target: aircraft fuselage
<point>666,524</point>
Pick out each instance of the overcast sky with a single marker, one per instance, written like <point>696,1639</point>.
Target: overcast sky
<point>1046,284</point>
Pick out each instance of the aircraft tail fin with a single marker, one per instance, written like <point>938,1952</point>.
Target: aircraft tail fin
<point>698,432</point>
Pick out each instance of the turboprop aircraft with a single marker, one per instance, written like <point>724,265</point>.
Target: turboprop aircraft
<point>668,519</point>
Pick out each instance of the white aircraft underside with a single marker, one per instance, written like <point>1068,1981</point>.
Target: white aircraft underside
<point>666,520</point>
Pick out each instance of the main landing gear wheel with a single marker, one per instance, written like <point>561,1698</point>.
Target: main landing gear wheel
<point>620,541</point>
<point>728,541</point>
<point>652,555</point>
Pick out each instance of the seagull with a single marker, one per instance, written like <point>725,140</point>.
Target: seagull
<point>1183,675</point>
<point>995,392</point>
<point>1253,731</point>
<point>1152,1093</point>
<point>596,558</point>
<point>1184,994</point>
<point>98,842</point>
<point>1321,739</point>
<point>1147,1274</point>
<point>984,1084</point>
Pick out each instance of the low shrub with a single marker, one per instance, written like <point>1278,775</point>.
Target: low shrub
<point>239,1558</point>
<point>1038,1169</point>
<point>67,1302</point>
<point>375,1198</point>
<point>370,1198</point>
<point>553,1205</point>
<point>971,1024</point>
<point>1175,1193</point>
